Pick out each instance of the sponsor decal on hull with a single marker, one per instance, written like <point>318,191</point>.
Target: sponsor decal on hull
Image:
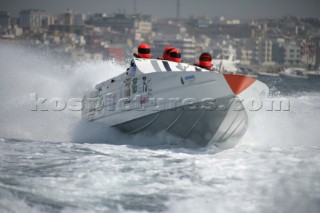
<point>188,79</point>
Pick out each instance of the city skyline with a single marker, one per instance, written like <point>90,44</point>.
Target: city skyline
<point>167,8</point>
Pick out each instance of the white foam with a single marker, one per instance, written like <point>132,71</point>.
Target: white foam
<point>27,71</point>
<point>297,127</point>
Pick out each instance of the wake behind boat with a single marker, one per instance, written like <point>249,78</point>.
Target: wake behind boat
<point>186,101</point>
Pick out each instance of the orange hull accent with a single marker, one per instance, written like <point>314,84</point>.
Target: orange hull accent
<point>238,83</point>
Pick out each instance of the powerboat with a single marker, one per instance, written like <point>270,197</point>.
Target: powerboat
<point>154,96</point>
<point>294,73</point>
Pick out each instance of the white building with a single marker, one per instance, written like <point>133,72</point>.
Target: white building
<point>233,21</point>
<point>69,18</point>
<point>292,53</point>
<point>263,52</point>
<point>32,18</point>
<point>246,56</point>
<point>143,26</point>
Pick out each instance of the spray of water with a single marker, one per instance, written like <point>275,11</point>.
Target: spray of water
<point>298,126</point>
<point>28,71</point>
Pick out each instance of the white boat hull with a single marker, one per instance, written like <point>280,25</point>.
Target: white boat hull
<point>294,73</point>
<point>198,106</point>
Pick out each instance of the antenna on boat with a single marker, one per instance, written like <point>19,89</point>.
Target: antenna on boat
<point>221,62</point>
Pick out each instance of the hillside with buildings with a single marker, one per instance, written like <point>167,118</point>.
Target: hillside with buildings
<point>272,42</point>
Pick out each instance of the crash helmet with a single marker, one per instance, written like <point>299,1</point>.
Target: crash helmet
<point>175,55</point>
<point>166,52</point>
<point>144,51</point>
<point>205,60</point>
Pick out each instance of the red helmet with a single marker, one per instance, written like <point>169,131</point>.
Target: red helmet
<point>175,55</point>
<point>166,52</point>
<point>205,60</point>
<point>144,51</point>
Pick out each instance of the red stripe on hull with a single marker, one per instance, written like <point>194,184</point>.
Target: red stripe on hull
<point>238,83</point>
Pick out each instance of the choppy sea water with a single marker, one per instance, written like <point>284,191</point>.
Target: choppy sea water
<point>51,162</point>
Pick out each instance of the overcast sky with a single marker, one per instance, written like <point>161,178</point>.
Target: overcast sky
<point>167,8</point>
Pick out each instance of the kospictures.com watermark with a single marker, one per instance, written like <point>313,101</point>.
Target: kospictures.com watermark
<point>141,103</point>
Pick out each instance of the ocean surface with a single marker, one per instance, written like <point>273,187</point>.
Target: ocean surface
<point>52,162</point>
